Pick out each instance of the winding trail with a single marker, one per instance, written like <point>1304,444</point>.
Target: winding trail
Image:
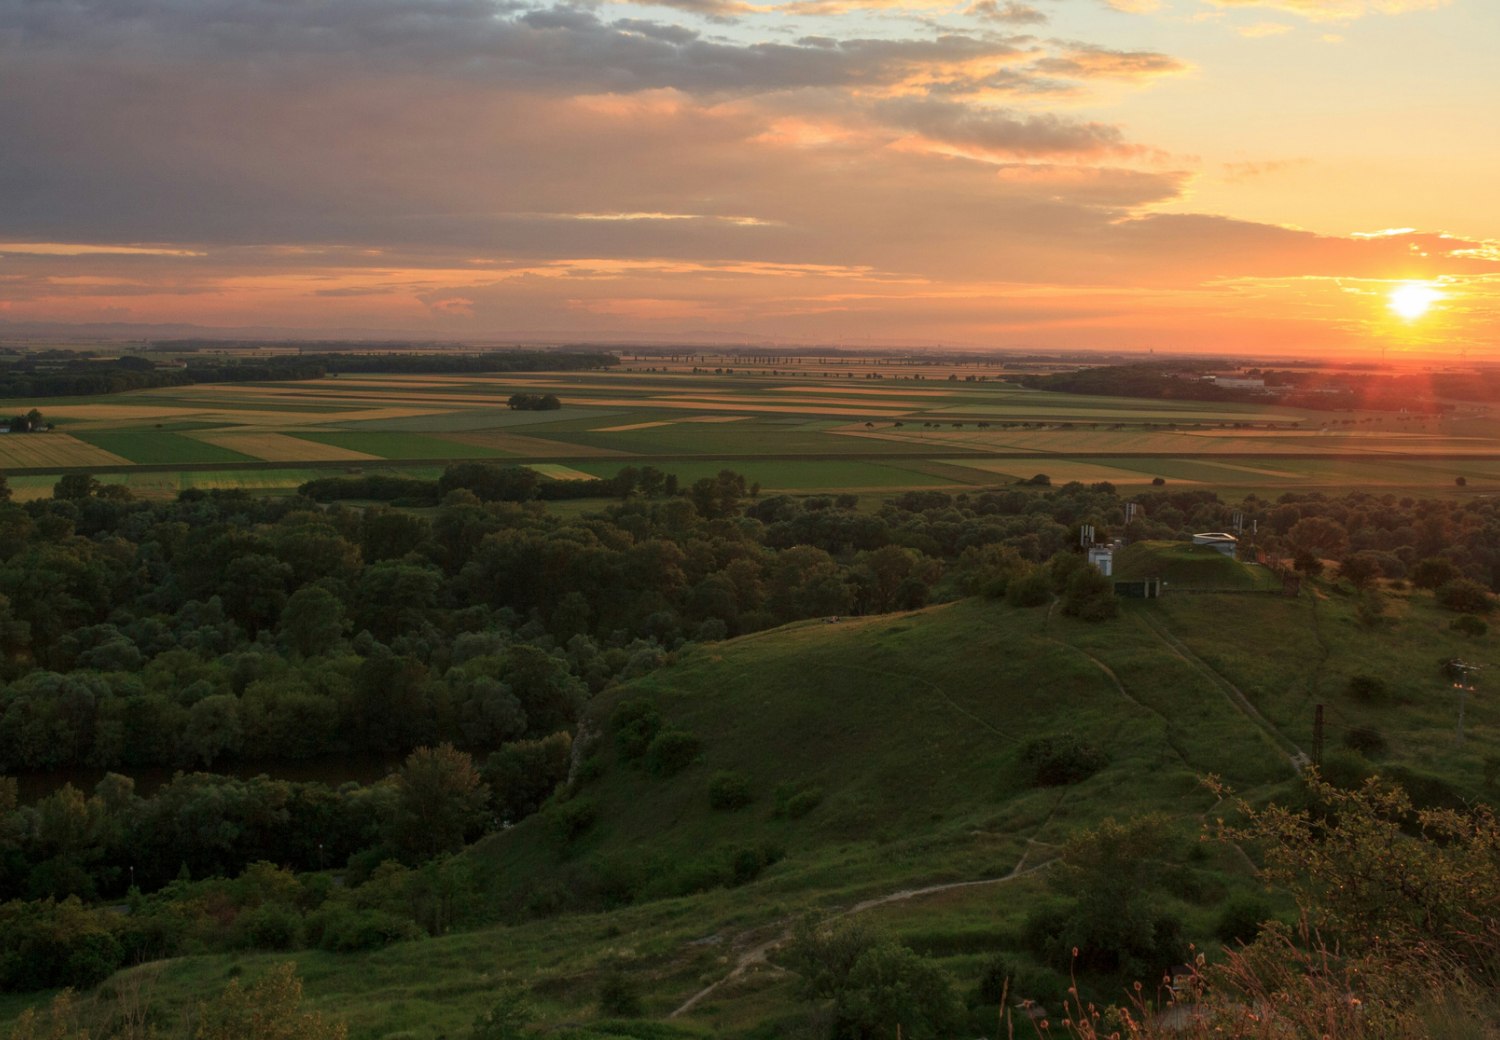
<point>1297,759</point>
<point>759,953</point>
<point>1009,738</point>
<point>1132,699</point>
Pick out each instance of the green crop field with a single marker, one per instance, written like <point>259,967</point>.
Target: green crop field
<point>468,419</point>
<point>698,415</point>
<point>155,447</point>
<point>396,445</point>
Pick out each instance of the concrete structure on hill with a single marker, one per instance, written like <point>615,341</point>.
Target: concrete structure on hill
<point>1148,588</point>
<point>1102,558</point>
<point>1219,541</point>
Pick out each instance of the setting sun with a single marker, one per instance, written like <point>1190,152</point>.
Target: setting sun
<point>1413,299</point>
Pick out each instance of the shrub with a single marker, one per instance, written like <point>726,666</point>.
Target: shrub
<point>878,987</point>
<point>619,996</point>
<point>728,791</point>
<point>47,945</point>
<point>1463,595</point>
<point>1241,918</point>
<point>341,929</point>
<point>548,897</point>
<point>1367,740</point>
<point>615,881</point>
<point>523,774</point>
<point>1433,572</point>
<point>273,926</point>
<point>1000,976</point>
<point>746,864</point>
<point>1053,761</point>
<point>1031,590</point>
<point>1367,689</point>
<point>671,751</point>
<point>1307,562</point>
<point>572,819</point>
<point>1469,625</point>
<point>636,724</point>
<point>1090,596</point>
<point>1344,769</point>
<point>711,631</point>
<point>890,984</point>
<point>506,1019</point>
<point>794,801</point>
<point>997,980</point>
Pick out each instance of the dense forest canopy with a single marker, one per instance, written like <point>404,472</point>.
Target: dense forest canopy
<point>64,373</point>
<point>1321,390</point>
<point>221,628</point>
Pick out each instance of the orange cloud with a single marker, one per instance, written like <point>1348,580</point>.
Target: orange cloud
<point>1337,10</point>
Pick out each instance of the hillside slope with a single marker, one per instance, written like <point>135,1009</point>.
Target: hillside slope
<point>884,756</point>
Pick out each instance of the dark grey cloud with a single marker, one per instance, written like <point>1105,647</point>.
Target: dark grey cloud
<point>540,47</point>
<point>714,10</point>
<point>1000,132</point>
<point>443,129</point>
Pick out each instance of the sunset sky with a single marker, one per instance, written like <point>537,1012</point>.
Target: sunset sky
<point>1217,175</point>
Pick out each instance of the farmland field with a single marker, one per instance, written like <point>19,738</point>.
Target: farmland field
<point>803,425</point>
<point>52,450</point>
<point>152,446</point>
<point>395,445</point>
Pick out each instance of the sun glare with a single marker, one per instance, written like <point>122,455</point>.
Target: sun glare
<point>1411,300</point>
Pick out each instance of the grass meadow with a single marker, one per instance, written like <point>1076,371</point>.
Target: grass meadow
<point>906,731</point>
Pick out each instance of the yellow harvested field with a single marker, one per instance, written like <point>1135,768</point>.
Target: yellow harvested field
<point>25,450</point>
<point>756,406</point>
<point>634,426</point>
<point>556,472</point>
<point>1145,442</point>
<point>413,396</point>
<point>283,420</point>
<point>119,411</point>
<point>1321,434</point>
<point>672,422</point>
<point>1257,470</point>
<point>279,447</point>
<point>719,401</point>
<point>873,391</point>
<point>506,380</point>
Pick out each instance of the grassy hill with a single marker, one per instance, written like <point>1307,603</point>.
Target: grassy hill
<point>886,755</point>
<point>1185,565</point>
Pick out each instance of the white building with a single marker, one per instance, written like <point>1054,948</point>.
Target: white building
<point>1219,541</point>
<point>1102,557</point>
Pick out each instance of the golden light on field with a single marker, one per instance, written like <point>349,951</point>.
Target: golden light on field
<point>1411,300</point>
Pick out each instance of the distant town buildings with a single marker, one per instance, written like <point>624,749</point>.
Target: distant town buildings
<point>1236,382</point>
